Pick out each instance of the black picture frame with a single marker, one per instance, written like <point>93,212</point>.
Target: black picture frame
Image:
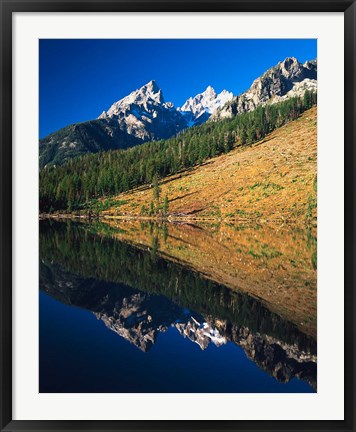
<point>7,8</point>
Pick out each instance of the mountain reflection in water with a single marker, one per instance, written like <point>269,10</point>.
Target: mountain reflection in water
<point>138,294</point>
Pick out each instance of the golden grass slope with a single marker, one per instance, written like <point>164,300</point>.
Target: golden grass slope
<point>271,180</point>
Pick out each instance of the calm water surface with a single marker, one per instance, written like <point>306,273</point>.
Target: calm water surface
<point>118,317</point>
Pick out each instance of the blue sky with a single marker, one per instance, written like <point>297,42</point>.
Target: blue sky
<point>81,78</point>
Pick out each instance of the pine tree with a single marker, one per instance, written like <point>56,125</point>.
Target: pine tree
<point>165,206</point>
<point>156,188</point>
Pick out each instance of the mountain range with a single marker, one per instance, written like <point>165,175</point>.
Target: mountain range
<point>144,115</point>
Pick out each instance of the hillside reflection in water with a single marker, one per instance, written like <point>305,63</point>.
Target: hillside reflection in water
<point>157,288</point>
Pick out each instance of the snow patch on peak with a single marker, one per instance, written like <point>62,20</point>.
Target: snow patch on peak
<point>148,94</point>
<point>153,92</point>
<point>206,102</point>
<point>222,98</point>
<point>145,114</point>
<point>209,91</point>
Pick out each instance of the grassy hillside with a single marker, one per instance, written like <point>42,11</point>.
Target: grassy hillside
<point>271,180</point>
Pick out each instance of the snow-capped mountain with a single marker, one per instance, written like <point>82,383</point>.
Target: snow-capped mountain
<point>199,108</point>
<point>287,79</point>
<point>145,114</point>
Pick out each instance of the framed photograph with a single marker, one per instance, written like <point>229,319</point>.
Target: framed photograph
<point>177,215</point>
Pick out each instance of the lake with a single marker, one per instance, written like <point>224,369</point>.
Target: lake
<point>129,306</point>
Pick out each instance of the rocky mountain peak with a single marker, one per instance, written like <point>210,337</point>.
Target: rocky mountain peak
<point>199,102</point>
<point>209,91</point>
<point>144,114</point>
<point>288,78</point>
<point>289,64</point>
<point>153,92</point>
<point>311,65</point>
<point>152,86</point>
<point>290,68</point>
<point>199,108</point>
<point>149,93</point>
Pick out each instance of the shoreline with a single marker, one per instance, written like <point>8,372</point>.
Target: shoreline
<point>173,219</point>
